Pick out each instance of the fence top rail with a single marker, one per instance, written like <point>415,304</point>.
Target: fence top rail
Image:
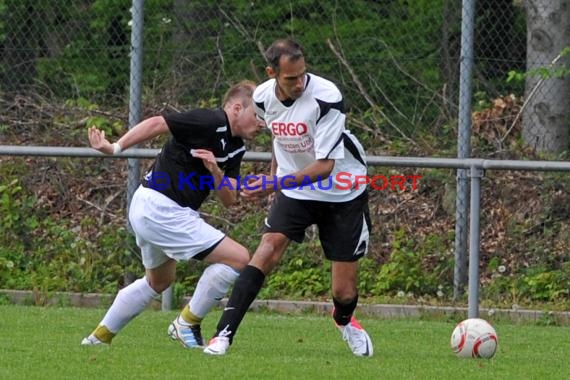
<point>390,161</point>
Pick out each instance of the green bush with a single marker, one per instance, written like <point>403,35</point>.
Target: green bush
<point>406,270</point>
<point>38,252</point>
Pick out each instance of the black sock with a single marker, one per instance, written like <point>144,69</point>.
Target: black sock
<point>343,312</point>
<point>246,288</point>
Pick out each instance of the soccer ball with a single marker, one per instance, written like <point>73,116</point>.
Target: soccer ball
<point>474,338</point>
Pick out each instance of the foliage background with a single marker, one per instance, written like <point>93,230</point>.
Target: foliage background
<point>65,66</point>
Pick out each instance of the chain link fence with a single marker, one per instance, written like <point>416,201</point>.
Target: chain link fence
<point>397,62</point>
<point>66,64</point>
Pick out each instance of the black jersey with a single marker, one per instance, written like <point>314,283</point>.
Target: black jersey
<point>184,178</point>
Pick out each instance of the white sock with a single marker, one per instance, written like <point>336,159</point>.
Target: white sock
<point>129,302</point>
<point>212,287</point>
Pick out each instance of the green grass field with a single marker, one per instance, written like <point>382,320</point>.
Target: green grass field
<point>43,343</point>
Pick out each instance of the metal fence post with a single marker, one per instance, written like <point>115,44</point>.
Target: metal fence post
<point>464,145</point>
<point>473,292</point>
<point>135,91</point>
<point>135,101</point>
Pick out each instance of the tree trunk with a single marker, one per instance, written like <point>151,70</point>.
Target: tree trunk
<point>546,118</point>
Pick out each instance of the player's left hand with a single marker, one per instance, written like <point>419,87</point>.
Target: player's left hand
<point>257,188</point>
<point>208,159</point>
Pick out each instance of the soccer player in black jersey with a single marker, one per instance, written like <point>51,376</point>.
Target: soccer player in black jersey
<point>204,152</point>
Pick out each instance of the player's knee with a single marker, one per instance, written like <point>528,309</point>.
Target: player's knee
<point>344,295</point>
<point>158,284</point>
<point>274,243</point>
<point>160,287</point>
<point>242,258</point>
<point>268,253</point>
<point>237,260</point>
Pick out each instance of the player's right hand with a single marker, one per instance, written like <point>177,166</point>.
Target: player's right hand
<point>98,141</point>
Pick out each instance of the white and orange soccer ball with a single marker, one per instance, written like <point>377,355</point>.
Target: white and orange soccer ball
<point>474,338</point>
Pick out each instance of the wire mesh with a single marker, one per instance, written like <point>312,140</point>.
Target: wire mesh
<point>68,63</point>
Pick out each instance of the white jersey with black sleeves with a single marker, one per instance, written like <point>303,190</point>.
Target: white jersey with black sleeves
<point>310,128</point>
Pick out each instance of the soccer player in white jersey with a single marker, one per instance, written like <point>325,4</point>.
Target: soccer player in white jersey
<point>311,147</point>
<point>204,152</point>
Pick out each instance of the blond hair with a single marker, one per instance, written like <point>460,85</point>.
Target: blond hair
<point>242,92</point>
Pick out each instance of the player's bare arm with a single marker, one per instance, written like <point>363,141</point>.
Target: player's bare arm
<point>318,169</point>
<point>273,160</point>
<point>143,131</point>
<point>273,174</point>
<point>259,187</point>
<point>226,194</point>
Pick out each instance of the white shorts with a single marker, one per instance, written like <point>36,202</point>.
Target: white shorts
<point>164,229</point>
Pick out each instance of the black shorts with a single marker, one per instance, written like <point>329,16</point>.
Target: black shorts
<point>344,228</point>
